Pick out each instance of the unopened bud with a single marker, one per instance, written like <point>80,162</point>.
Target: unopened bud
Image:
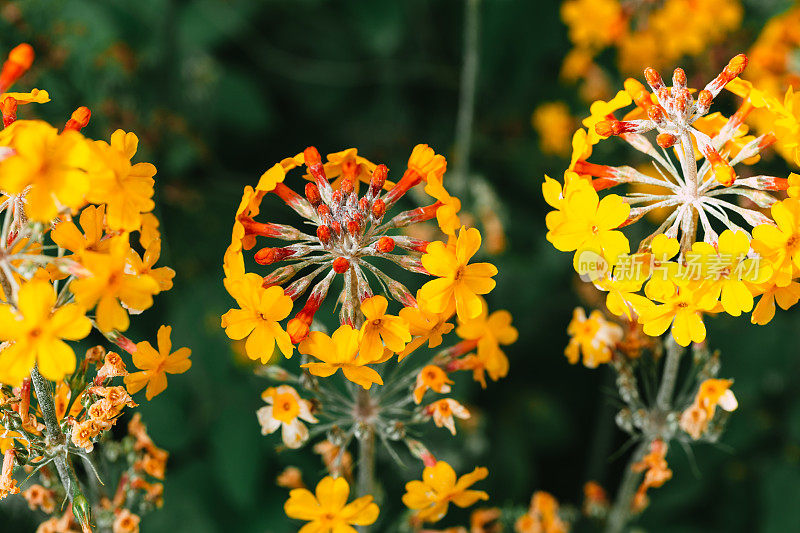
<point>324,234</point>
<point>385,245</point>
<point>311,156</point>
<point>378,179</point>
<point>312,194</point>
<point>665,140</point>
<point>378,209</point>
<point>341,265</point>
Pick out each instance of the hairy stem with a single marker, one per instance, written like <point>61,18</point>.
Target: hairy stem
<point>366,449</point>
<point>56,438</point>
<point>620,513</point>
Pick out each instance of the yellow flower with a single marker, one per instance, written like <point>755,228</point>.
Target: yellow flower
<point>593,24</point>
<point>67,235</point>
<point>490,332</point>
<point>728,271</point>
<point>781,244</point>
<point>328,510</point>
<point>431,377</point>
<point>432,496</point>
<point>426,162</point>
<point>425,325</point>
<point>381,330</point>
<point>771,293</point>
<point>594,336</point>
<point>110,285</point>
<point>37,328</point>
<point>340,350</point>
<point>447,213</point>
<point>684,305</point>
<point>285,409</point>
<point>51,164</point>
<point>542,516</point>
<point>600,110</point>
<point>155,365</point>
<point>143,266</point>
<point>589,223</point>
<point>257,319</point>
<point>443,412</point>
<point>348,164</point>
<point>712,393</point>
<point>126,189</point>
<point>458,281</point>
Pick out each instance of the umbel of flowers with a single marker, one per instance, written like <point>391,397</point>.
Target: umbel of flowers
<point>353,253</point>
<point>724,236</point>
<point>78,248</point>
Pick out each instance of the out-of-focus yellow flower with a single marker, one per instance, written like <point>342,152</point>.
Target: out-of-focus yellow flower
<point>126,189</point>
<point>593,24</point>
<point>51,164</point>
<point>327,511</point>
<point>431,377</point>
<point>490,331</point>
<point>155,365</point>
<point>432,496</point>
<point>594,336</point>
<point>458,281</point>
<point>443,412</point>
<point>37,329</point>
<point>711,393</point>
<point>542,516</point>
<point>258,318</point>
<point>554,125</point>
<point>285,410</point>
<point>340,351</point>
<point>110,285</point>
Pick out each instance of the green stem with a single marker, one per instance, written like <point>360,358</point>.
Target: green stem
<point>620,512</point>
<point>56,438</point>
<point>366,451</point>
<point>670,376</point>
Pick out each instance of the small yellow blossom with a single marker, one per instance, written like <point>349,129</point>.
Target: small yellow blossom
<point>447,213</point>
<point>542,516</point>
<point>327,511</point>
<point>339,351</point>
<point>37,328</point>
<point>443,412</point>
<point>155,365</point>
<point>712,393</point>
<point>143,266</point>
<point>51,164</point>
<point>780,244</point>
<point>285,410</point>
<point>381,330</point>
<point>126,189</point>
<point>257,319</point>
<point>458,281</point>
<point>92,220</point>
<point>426,326</point>
<point>682,307</point>
<point>110,285</point>
<point>490,331</point>
<point>431,377</point>
<point>594,337</point>
<point>439,487</point>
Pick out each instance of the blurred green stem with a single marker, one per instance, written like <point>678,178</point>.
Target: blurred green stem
<point>366,449</point>
<point>620,513</point>
<point>466,101</point>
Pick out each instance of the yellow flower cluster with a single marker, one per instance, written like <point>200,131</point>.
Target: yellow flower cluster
<point>644,33</point>
<point>685,268</point>
<point>346,200</point>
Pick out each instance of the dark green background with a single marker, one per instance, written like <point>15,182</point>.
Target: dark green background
<point>219,90</point>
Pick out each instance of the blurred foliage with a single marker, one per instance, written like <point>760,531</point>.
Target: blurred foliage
<point>219,90</point>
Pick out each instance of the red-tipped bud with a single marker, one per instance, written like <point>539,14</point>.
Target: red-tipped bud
<point>653,78</point>
<point>323,210</point>
<point>657,114</point>
<point>363,204</point>
<point>79,119</point>
<point>378,179</point>
<point>337,198</point>
<point>607,128</point>
<point>704,99</point>
<point>312,194</point>
<point>736,66</point>
<point>9,109</point>
<point>378,209</point>
<point>341,265</point>
<point>353,227</point>
<point>766,140</point>
<point>665,140</point>
<point>678,78</point>
<point>19,61</point>
<point>348,186</point>
<point>324,234</point>
<point>337,228</point>
<point>267,256</point>
<point>385,245</point>
<point>311,156</point>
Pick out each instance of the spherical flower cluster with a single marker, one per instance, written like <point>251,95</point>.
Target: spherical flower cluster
<point>358,249</point>
<point>715,250</point>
